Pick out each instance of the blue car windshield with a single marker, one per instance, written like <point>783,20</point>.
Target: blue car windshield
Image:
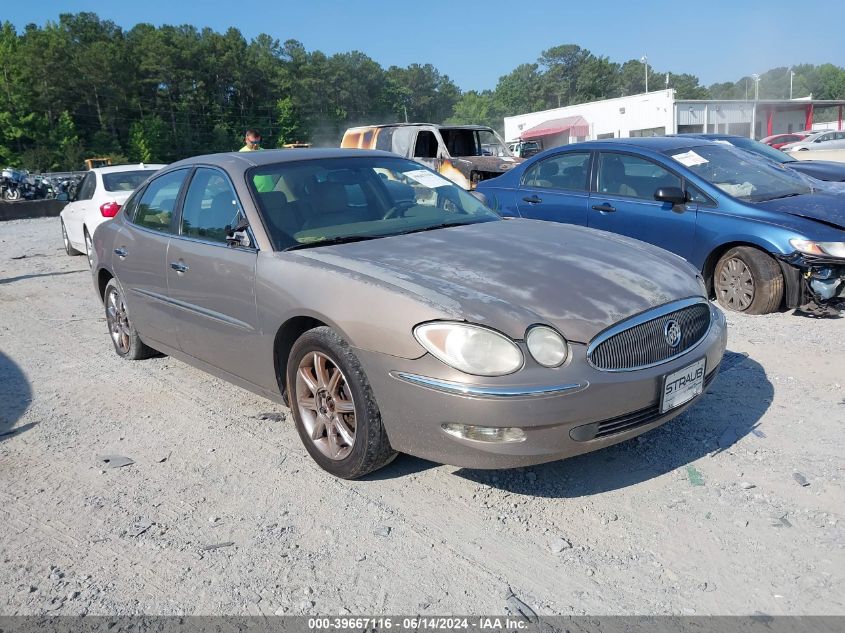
<point>741,174</point>
<point>318,202</point>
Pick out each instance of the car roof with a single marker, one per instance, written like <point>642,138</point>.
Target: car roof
<point>111,169</point>
<point>435,125</point>
<point>654,143</point>
<point>710,136</point>
<point>245,160</point>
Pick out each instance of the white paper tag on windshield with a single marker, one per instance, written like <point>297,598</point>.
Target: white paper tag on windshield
<point>690,159</point>
<point>722,141</point>
<point>427,178</point>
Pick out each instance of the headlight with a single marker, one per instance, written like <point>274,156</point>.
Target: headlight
<point>833,249</point>
<point>470,348</point>
<point>546,346</point>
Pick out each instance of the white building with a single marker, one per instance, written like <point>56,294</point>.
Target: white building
<point>659,112</point>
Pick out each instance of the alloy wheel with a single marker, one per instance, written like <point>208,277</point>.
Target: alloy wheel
<point>118,321</point>
<point>325,405</point>
<point>735,284</point>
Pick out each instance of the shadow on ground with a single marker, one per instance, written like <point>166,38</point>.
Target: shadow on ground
<point>15,396</point>
<point>731,409</point>
<point>9,280</point>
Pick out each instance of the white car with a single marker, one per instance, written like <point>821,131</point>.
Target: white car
<point>819,140</point>
<point>98,198</point>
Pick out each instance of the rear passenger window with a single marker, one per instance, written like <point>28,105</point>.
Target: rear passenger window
<point>631,176</point>
<point>155,209</point>
<point>564,171</point>
<point>211,207</point>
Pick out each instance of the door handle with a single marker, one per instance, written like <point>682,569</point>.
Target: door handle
<point>604,208</point>
<point>120,252</point>
<point>532,199</point>
<point>179,267</point>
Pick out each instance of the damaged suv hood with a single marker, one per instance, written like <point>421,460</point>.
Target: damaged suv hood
<point>823,207</point>
<point>511,274</point>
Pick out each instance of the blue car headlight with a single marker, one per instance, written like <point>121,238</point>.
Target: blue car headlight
<point>810,247</point>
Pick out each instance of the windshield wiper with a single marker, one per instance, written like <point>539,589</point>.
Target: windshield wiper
<point>786,195</point>
<point>344,239</point>
<point>434,227</point>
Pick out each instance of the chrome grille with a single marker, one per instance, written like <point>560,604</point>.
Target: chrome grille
<point>641,341</point>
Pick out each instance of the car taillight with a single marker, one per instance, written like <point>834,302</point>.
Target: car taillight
<point>109,209</point>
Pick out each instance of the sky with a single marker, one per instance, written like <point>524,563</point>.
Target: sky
<point>476,43</point>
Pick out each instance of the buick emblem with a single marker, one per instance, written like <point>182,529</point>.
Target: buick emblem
<point>672,333</point>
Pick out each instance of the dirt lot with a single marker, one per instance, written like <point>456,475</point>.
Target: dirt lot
<point>737,507</point>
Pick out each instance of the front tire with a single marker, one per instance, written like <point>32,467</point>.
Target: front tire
<point>748,280</point>
<point>70,250</point>
<point>125,338</point>
<point>335,411</point>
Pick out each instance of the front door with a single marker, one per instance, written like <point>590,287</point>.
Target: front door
<point>140,259</point>
<point>623,202</point>
<point>556,189</point>
<point>212,284</point>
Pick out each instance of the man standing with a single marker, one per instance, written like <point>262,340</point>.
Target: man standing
<point>252,140</point>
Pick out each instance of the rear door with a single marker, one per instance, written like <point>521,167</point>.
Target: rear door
<point>556,188</point>
<point>75,211</point>
<point>212,284</point>
<point>140,260</point>
<point>623,202</point>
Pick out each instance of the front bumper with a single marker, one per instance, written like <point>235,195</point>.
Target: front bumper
<point>813,279</point>
<point>563,412</point>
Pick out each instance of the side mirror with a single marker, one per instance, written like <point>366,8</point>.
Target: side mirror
<point>238,235</point>
<point>675,195</point>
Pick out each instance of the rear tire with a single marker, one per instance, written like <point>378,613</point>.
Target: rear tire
<point>748,280</point>
<point>89,247</point>
<point>332,402</point>
<point>70,250</point>
<point>127,343</point>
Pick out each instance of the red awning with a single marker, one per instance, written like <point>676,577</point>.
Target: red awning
<point>575,125</point>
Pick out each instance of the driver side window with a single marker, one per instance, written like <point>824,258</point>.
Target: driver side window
<point>633,177</point>
<point>211,207</point>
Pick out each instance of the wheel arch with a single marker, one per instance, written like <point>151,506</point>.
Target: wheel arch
<point>286,336</point>
<point>104,276</point>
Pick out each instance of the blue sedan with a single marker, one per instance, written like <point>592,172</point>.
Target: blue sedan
<point>762,236</point>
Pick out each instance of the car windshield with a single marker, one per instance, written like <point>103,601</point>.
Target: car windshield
<point>750,145</point>
<point>740,173</point>
<point>125,180</point>
<point>473,142</point>
<point>328,201</point>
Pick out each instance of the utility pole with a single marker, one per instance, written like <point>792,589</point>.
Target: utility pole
<point>644,60</point>
<point>405,108</point>
<point>791,77</point>
<point>756,79</point>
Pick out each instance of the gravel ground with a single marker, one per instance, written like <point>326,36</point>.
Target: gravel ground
<point>736,507</point>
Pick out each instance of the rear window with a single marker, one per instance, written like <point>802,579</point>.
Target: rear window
<point>125,180</point>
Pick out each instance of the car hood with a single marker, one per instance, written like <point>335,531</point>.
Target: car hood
<point>821,207</point>
<point>487,163</point>
<point>821,169</point>
<point>511,274</point>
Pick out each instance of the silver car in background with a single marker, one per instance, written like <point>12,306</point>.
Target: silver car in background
<point>396,313</point>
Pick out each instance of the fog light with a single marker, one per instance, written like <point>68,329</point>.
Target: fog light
<point>484,433</point>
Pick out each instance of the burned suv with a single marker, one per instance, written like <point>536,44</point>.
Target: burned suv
<point>465,154</point>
